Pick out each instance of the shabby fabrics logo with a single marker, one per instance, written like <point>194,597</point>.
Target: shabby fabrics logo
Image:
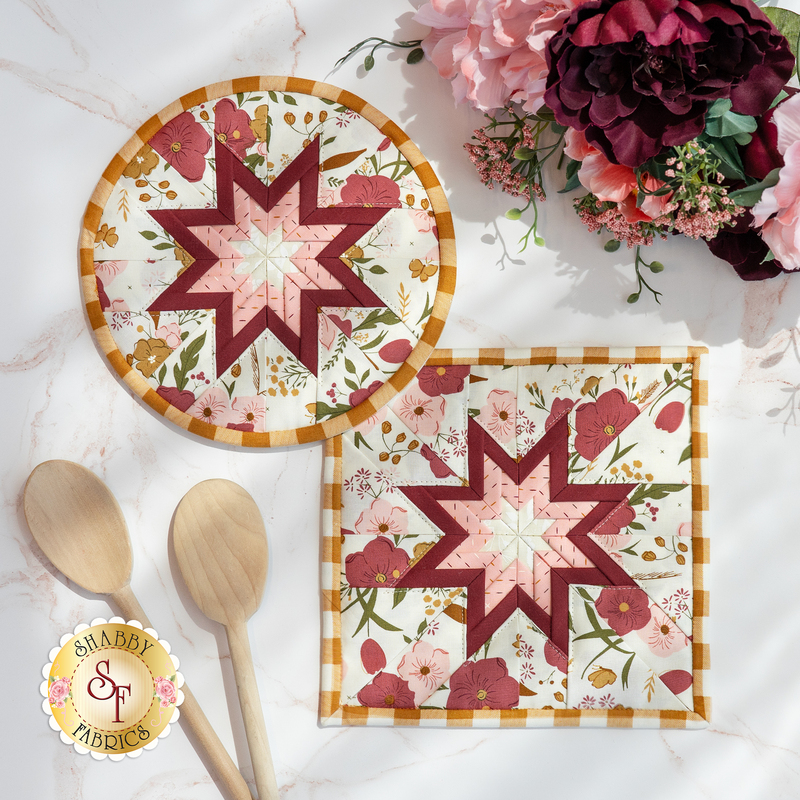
<point>112,688</point>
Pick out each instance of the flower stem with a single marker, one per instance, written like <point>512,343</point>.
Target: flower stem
<point>653,266</point>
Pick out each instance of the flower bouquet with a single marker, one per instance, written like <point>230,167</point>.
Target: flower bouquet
<point>671,116</point>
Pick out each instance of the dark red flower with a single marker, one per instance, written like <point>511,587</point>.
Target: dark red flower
<point>360,395</point>
<point>380,563</point>
<point>232,127</point>
<point>638,75</point>
<point>370,190</point>
<point>183,143</point>
<point>560,406</point>
<point>483,684</point>
<point>386,691</point>
<point>373,658</point>
<point>438,467</point>
<point>626,609</point>
<point>677,680</point>
<point>344,325</point>
<point>181,400</point>
<point>743,248</point>
<point>670,417</point>
<point>396,352</point>
<point>598,424</point>
<point>442,380</point>
<point>620,518</point>
<point>554,657</point>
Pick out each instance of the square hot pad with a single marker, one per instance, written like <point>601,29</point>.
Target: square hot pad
<point>518,539</point>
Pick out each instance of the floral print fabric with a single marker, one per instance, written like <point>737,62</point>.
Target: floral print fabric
<point>523,543</point>
<point>266,261</point>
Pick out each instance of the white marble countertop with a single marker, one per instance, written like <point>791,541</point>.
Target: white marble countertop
<point>76,78</point>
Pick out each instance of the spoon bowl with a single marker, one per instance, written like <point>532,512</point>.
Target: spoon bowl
<point>79,525</point>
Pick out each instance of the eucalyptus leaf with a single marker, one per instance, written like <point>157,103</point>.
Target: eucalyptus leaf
<point>750,195</point>
<point>788,23</point>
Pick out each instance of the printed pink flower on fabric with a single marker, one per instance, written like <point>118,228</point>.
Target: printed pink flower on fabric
<point>360,395</point>
<point>598,424</point>
<point>421,413</point>
<point>670,417</point>
<point>608,534</point>
<point>639,75</point>
<point>249,410</point>
<point>555,658</point>
<point>232,127</point>
<point>170,333</point>
<point>58,692</point>
<point>175,397</point>
<point>380,563</point>
<point>626,609</point>
<point>494,52</point>
<point>424,221</point>
<point>435,381</point>
<point>437,466</point>
<point>396,352</point>
<point>382,518</point>
<point>211,407</point>
<point>483,684</point>
<point>685,529</point>
<point>108,270</point>
<point>661,635</point>
<point>425,669</point>
<point>386,691</point>
<point>499,415</point>
<point>326,331</point>
<point>165,690</point>
<point>183,143</point>
<point>373,659</point>
<point>777,213</point>
<point>370,190</point>
<point>560,407</point>
<point>677,680</point>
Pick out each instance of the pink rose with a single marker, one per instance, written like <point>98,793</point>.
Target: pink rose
<point>170,333</point>
<point>165,690</point>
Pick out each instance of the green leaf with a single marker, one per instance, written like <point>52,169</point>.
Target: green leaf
<point>407,639</point>
<point>626,670</point>
<point>256,98</point>
<point>164,246</point>
<point>633,298</point>
<point>729,124</point>
<point>369,62</point>
<point>377,269</point>
<point>415,56</point>
<point>667,377</point>
<point>348,365</point>
<point>189,357</point>
<point>656,266</point>
<point>273,97</point>
<point>558,128</point>
<point>398,596</point>
<point>654,491</point>
<point>513,213</point>
<point>229,389</point>
<point>359,439</point>
<point>324,410</point>
<point>162,373</point>
<point>612,246</point>
<point>750,195</point>
<point>149,235</point>
<point>289,100</point>
<point>677,367</point>
<point>637,526</point>
<point>788,23</point>
<point>351,384</point>
<point>422,626</point>
<point>572,183</point>
<point>686,454</point>
<point>328,140</point>
<point>584,594</point>
<point>240,98</point>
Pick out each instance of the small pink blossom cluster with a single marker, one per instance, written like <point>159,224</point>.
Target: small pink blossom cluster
<point>596,215</point>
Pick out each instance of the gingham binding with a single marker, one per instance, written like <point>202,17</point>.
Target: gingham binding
<point>333,713</point>
<point>322,430</point>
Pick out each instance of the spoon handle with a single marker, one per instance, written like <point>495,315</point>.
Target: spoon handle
<point>252,713</point>
<point>190,710</point>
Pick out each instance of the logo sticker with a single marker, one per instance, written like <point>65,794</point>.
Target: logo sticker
<point>112,688</point>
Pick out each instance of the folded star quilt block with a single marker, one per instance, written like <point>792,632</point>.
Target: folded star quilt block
<point>517,539</point>
<point>268,261</point>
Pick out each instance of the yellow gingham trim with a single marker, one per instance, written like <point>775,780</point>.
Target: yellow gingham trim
<point>332,712</point>
<point>433,327</point>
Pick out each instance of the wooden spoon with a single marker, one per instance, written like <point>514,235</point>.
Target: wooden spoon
<point>79,525</point>
<point>221,546</point>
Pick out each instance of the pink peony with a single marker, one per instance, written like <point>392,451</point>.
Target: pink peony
<point>777,213</point>
<point>662,635</point>
<point>379,564</point>
<point>425,669</point>
<point>183,143</point>
<point>422,414</point>
<point>436,381</point>
<point>382,518</point>
<point>170,333</point>
<point>598,424</point>
<point>494,52</point>
<point>499,415</point>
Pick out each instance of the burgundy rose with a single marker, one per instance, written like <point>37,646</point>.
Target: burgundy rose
<point>482,684</point>
<point>386,691</point>
<point>438,467</point>
<point>360,395</point>
<point>555,657</point>
<point>561,406</point>
<point>183,144</point>
<point>626,609</point>
<point>598,424</point>
<point>232,127</point>
<point>371,190</point>
<point>373,658</point>
<point>396,352</point>
<point>435,381</point>
<point>638,75</point>
<point>620,518</point>
<point>175,397</point>
<point>743,248</point>
<point>380,563</point>
<point>670,417</point>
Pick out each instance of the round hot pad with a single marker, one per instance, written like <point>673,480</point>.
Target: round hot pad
<point>268,261</point>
